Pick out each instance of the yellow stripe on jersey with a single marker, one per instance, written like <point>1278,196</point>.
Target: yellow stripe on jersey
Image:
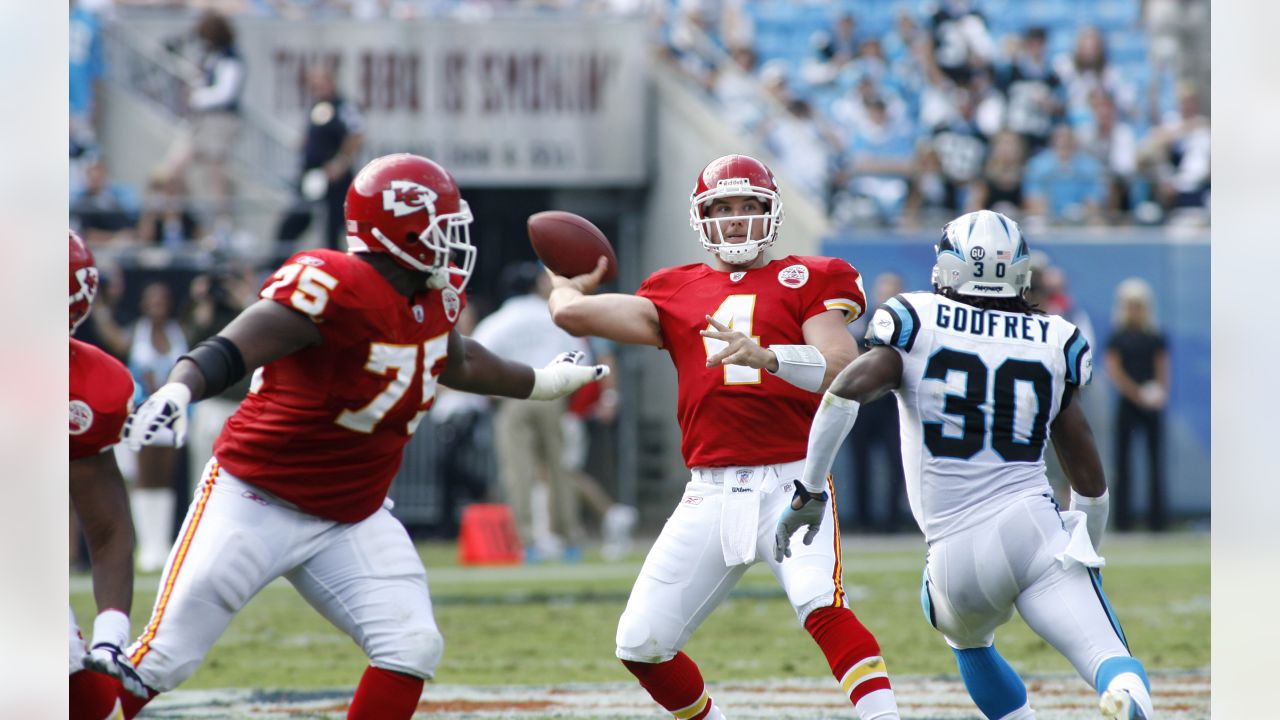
<point>869,669</point>
<point>852,310</point>
<point>838,574</point>
<point>171,577</point>
<point>693,710</point>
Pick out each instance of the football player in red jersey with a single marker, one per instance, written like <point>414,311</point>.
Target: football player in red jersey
<point>754,340</point>
<point>348,349</point>
<point>100,399</point>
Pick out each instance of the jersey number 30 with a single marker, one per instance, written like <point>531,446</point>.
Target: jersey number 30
<point>969,407</point>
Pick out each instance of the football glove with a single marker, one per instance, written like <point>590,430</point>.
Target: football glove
<point>563,375</point>
<point>161,420</point>
<point>110,634</point>
<point>812,508</point>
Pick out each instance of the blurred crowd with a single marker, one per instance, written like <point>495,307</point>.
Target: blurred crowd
<point>1061,112</point>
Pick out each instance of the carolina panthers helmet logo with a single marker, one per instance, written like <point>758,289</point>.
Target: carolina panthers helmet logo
<point>405,197</point>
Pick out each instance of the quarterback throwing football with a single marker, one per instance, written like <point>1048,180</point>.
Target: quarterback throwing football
<point>349,348</point>
<point>754,340</point>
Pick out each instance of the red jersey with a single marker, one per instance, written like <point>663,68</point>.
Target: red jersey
<point>737,415</point>
<point>325,427</point>
<point>101,399</point>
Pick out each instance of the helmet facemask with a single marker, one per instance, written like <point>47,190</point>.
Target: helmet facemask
<point>448,237</point>
<point>711,231</point>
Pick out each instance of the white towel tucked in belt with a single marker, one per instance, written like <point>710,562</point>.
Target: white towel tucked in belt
<point>740,513</point>
<point>1079,549</point>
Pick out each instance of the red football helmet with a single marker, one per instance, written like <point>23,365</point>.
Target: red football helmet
<point>84,281</point>
<point>409,207</point>
<point>732,176</point>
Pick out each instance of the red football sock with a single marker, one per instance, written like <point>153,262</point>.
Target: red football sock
<point>93,695</point>
<point>87,684</point>
<point>385,695</point>
<point>851,650</point>
<point>675,685</point>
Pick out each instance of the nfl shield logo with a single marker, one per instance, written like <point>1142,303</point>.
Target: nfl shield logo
<point>744,476</point>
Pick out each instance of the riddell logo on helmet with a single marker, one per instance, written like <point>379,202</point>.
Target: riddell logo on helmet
<point>405,197</point>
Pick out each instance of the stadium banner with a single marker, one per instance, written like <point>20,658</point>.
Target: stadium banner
<point>511,101</point>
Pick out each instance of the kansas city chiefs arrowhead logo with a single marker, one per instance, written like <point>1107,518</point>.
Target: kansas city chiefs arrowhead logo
<point>405,197</point>
<point>88,279</point>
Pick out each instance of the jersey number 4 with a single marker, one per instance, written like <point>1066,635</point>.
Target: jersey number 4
<point>401,363</point>
<point>737,312</point>
<point>969,407</point>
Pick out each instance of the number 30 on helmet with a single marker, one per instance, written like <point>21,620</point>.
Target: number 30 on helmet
<point>409,207</point>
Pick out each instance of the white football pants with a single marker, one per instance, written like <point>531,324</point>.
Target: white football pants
<point>974,580</point>
<point>366,578</point>
<point>684,577</point>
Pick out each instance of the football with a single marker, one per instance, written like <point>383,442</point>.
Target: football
<point>570,244</point>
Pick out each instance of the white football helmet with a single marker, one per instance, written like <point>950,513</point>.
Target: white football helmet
<point>983,254</point>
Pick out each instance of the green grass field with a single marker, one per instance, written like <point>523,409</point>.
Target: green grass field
<point>552,624</point>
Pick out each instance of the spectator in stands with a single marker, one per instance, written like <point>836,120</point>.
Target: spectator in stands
<point>1063,184</point>
<point>962,148</point>
<point>157,343</point>
<point>332,140</point>
<point>1179,153</point>
<point>167,217</point>
<point>870,62</point>
<point>927,198</point>
<point>86,70</point>
<point>1086,68</point>
<point>1000,187</point>
<point>899,40</point>
<point>876,430</point>
<point>213,125</point>
<point>736,89</point>
<point>802,148</point>
<point>853,111</point>
<point>1114,144</point>
<point>1033,90</point>
<point>1138,364</point>
<point>961,40</point>
<point>104,212</point>
<point>528,436</point>
<point>879,162</point>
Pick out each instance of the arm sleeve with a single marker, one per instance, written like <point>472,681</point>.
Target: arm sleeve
<point>1079,358</point>
<point>894,324</point>
<point>839,287</point>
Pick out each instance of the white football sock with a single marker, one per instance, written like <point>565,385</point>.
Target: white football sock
<point>1131,683</point>
<point>878,705</point>
<point>1023,713</point>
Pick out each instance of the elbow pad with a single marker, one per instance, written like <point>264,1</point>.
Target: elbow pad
<point>801,365</point>
<point>219,361</point>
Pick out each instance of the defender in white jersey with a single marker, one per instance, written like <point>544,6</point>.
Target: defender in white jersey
<point>982,380</point>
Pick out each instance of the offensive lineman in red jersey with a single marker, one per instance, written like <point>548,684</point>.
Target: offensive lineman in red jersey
<point>100,399</point>
<point>753,340</point>
<point>349,348</point>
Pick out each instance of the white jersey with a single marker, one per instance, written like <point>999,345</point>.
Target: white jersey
<point>979,392</point>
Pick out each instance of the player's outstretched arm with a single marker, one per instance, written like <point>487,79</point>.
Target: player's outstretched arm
<point>868,378</point>
<point>102,506</point>
<point>264,332</point>
<point>1078,453</point>
<point>471,367</point>
<point>616,316</point>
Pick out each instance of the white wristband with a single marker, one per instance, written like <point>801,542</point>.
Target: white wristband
<point>1095,511</point>
<point>801,365</point>
<point>831,424</point>
<point>111,626</point>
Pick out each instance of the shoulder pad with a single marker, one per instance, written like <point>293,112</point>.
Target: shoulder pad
<point>895,323</point>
